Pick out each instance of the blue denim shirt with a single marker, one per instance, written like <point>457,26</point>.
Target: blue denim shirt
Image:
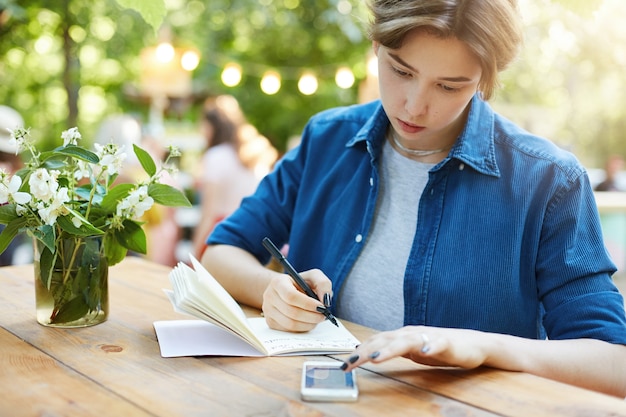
<point>508,237</point>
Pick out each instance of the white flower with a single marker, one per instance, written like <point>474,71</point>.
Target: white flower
<point>71,136</point>
<point>9,192</point>
<point>111,157</point>
<point>18,138</point>
<point>43,184</point>
<point>135,204</point>
<point>174,151</point>
<point>82,170</point>
<point>56,208</point>
<point>4,186</point>
<point>17,196</point>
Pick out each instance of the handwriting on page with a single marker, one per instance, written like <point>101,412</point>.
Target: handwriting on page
<point>287,344</point>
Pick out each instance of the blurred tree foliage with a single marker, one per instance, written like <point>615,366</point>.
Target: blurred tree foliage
<point>69,62</point>
<point>569,82</point>
<point>72,62</point>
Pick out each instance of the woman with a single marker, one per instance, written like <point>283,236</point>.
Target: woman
<point>467,239</point>
<point>237,157</point>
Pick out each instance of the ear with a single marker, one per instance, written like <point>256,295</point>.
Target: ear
<point>375,47</point>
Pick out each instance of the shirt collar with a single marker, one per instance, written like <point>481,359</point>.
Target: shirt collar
<point>474,147</point>
<point>476,144</point>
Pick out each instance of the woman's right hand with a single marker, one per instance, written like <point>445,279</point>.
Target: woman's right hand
<point>287,308</point>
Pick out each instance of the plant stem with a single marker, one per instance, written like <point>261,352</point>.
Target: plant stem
<point>66,272</point>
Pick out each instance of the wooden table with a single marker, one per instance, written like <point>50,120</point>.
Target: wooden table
<point>115,369</point>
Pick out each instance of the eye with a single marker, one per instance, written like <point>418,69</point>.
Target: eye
<point>448,88</point>
<point>399,72</point>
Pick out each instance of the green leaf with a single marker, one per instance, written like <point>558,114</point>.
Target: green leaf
<point>72,310</point>
<point>114,252</point>
<point>77,152</point>
<point>46,235</point>
<point>46,264</point>
<point>115,194</point>
<point>86,228</point>
<point>168,196</point>
<point>132,237</point>
<point>10,231</point>
<point>7,213</point>
<point>152,11</point>
<point>146,160</point>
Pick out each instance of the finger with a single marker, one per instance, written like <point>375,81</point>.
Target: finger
<point>284,323</point>
<point>319,283</point>
<point>386,345</point>
<point>285,308</point>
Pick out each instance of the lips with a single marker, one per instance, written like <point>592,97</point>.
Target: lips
<point>409,127</point>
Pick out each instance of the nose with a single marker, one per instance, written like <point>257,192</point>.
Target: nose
<point>417,101</point>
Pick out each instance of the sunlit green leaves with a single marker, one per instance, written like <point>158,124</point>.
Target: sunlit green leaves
<point>10,232</point>
<point>152,11</point>
<point>132,236</point>
<point>168,196</point>
<point>146,160</point>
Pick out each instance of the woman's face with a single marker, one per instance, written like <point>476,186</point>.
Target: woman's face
<point>425,88</point>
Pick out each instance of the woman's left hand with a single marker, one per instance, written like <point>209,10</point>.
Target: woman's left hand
<point>426,345</point>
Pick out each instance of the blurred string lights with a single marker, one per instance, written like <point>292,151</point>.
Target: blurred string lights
<point>167,71</point>
<point>271,79</point>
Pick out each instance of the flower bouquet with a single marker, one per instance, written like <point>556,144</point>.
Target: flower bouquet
<point>81,220</point>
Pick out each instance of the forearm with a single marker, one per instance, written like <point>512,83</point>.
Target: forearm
<point>587,363</point>
<point>238,272</point>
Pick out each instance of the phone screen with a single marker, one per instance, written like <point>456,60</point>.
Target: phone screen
<point>327,377</point>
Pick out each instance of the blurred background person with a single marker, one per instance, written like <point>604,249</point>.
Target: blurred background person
<point>236,158</point>
<point>161,228</point>
<point>20,249</point>
<point>614,165</point>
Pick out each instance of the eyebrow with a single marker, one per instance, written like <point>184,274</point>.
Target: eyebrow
<point>404,63</point>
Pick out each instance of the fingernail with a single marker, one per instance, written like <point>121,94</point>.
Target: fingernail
<point>343,366</point>
<point>327,300</point>
<point>425,349</point>
<point>353,358</point>
<point>321,309</point>
<point>375,355</point>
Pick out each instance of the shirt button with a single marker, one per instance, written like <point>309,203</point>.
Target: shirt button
<point>371,182</point>
<point>358,238</point>
<point>461,167</point>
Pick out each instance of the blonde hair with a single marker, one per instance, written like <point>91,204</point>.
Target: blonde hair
<point>490,28</point>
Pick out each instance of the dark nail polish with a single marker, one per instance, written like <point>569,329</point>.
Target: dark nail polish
<point>343,366</point>
<point>353,358</point>
<point>321,309</point>
<point>327,300</point>
<point>375,355</point>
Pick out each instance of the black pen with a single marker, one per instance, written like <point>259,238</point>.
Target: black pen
<point>271,248</point>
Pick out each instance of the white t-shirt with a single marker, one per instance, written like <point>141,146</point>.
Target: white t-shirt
<point>372,293</point>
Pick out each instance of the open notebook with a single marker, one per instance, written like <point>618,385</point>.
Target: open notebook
<point>224,329</point>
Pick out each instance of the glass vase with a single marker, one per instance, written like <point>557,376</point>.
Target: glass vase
<point>71,284</point>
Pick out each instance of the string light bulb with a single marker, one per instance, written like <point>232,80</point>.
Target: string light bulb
<point>231,75</point>
<point>270,83</point>
<point>165,52</point>
<point>344,78</point>
<point>307,84</point>
<point>190,60</point>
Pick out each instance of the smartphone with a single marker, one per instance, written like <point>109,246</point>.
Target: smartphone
<point>325,381</point>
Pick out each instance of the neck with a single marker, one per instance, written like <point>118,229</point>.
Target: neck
<point>410,152</point>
